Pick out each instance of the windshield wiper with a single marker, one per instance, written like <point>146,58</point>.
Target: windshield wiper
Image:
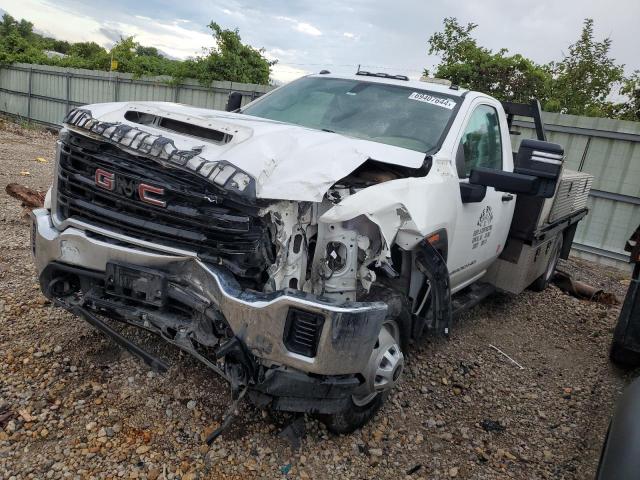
<point>327,130</point>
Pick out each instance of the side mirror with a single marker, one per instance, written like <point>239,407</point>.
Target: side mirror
<point>509,182</point>
<point>234,102</point>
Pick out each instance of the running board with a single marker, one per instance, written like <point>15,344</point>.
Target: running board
<point>471,296</point>
<point>154,362</point>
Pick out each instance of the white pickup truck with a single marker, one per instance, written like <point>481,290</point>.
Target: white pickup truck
<point>299,244</point>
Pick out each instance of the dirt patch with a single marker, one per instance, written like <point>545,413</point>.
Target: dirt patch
<point>81,408</point>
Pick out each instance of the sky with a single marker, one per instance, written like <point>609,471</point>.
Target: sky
<point>338,35</point>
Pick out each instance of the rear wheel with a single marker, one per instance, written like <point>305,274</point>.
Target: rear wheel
<point>381,374</point>
<point>542,282</point>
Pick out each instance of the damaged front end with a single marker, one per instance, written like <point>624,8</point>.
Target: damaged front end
<point>267,293</point>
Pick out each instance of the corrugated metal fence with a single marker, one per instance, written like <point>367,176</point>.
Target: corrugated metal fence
<point>45,94</point>
<point>608,149</point>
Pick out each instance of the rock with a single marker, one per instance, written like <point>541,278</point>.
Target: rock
<point>142,449</point>
<point>453,472</point>
<point>90,426</point>
<point>375,452</point>
<point>191,404</point>
<point>492,426</point>
<point>153,473</point>
<point>57,349</point>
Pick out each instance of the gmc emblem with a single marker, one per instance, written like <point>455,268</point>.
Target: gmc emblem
<point>105,179</point>
<point>146,193</point>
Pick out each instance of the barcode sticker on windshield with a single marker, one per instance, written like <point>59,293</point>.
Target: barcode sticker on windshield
<point>437,101</point>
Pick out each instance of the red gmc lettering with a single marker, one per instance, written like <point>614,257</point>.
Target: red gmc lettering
<point>144,190</point>
<point>105,179</point>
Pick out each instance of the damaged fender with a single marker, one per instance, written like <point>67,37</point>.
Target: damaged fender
<point>403,222</point>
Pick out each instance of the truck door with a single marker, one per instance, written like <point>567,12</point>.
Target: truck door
<point>481,226</point>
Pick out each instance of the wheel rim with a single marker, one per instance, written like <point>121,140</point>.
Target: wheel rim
<point>385,365</point>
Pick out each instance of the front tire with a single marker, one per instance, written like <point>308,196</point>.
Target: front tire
<point>353,416</point>
<point>363,406</point>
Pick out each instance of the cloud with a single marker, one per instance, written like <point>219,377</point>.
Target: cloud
<point>308,36</point>
<point>308,29</point>
<point>302,27</point>
<point>232,13</point>
<point>285,73</point>
<point>113,35</point>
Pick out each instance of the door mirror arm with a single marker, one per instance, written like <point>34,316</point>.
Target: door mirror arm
<point>508,182</point>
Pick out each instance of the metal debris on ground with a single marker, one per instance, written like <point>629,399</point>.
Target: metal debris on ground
<point>507,356</point>
<point>228,417</point>
<point>583,291</point>
<point>294,432</point>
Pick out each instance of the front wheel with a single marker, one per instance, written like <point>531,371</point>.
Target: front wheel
<point>382,373</point>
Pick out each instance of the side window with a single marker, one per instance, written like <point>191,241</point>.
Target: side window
<point>481,142</point>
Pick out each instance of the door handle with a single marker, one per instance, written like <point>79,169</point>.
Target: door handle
<point>507,197</point>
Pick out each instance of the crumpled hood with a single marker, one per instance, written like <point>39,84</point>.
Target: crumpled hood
<point>288,162</point>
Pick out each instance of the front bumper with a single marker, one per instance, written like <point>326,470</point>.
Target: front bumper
<point>348,334</point>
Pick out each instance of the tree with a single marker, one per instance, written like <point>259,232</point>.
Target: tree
<point>231,60</point>
<point>17,42</point>
<point>585,77</point>
<point>465,63</point>
<point>630,110</point>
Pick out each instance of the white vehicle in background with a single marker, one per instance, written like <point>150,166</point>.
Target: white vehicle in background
<point>298,245</point>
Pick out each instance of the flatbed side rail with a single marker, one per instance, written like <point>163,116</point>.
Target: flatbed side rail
<point>551,229</point>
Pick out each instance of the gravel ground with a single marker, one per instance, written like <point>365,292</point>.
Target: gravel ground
<point>76,406</point>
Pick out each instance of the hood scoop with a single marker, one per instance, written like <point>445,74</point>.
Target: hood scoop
<point>178,126</point>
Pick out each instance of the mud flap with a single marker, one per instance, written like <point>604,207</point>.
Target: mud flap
<point>434,267</point>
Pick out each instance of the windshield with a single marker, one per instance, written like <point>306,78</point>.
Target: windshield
<point>391,114</point>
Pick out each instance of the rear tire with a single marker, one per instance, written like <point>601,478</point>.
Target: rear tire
<point>356,414</point>
<point>543,281</point>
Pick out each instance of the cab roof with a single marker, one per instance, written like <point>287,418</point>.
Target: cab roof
<point>417,84</point>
